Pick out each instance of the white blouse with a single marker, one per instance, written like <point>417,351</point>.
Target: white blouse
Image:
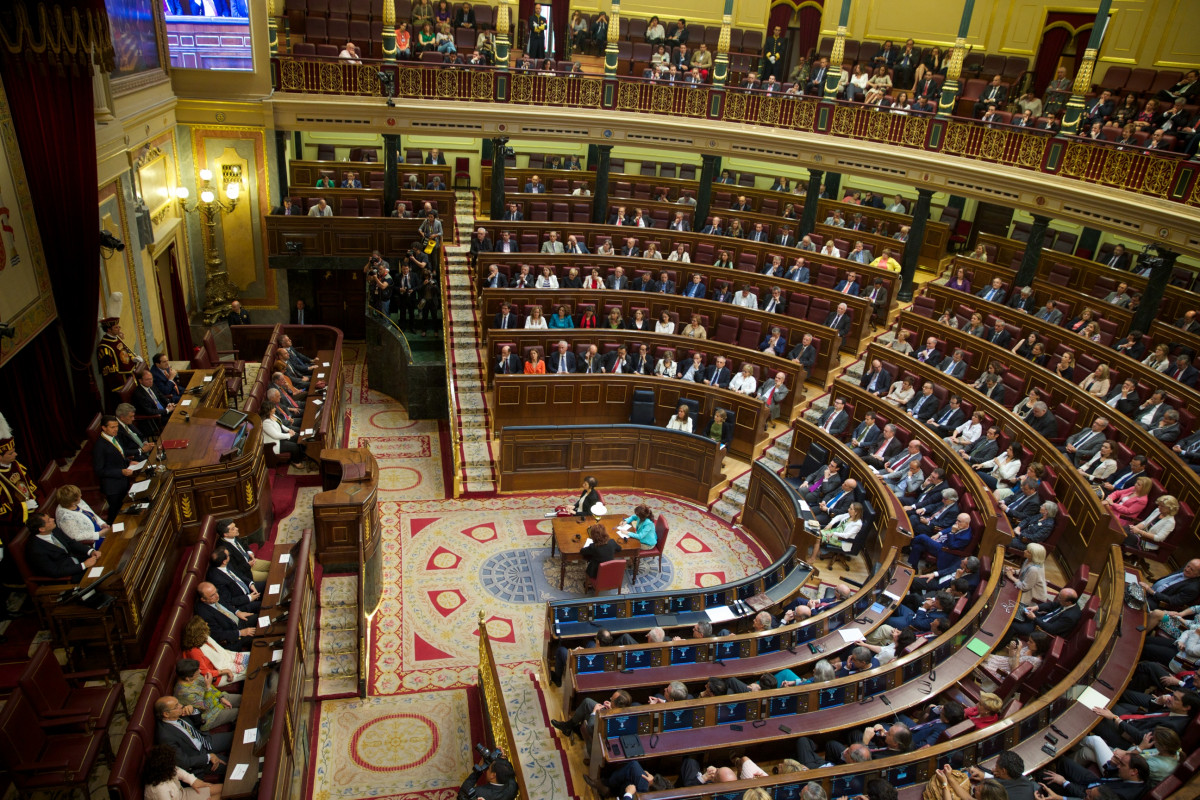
<point>850,529</point>
<point>1103,470</point>
<point>664,327</point>
<point>677,256</point>
<point>969,431</point>
<point>274,433</point>
<point>77,525</point>
<point>1004,469</point>
<point>547,282</point>
<point>665,370</point>
<point>1157,528</point>
<point>746,384</point>
<point>676,425</point>
<point>539,323</point>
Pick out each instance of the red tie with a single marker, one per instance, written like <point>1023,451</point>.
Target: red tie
<point>1178,372</point>
<point>846,290</point>
<point>882,447</point>
<point>616,364</point>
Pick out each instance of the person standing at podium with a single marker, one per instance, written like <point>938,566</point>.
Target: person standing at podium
<point>588,497</point>
<point>111,466</point>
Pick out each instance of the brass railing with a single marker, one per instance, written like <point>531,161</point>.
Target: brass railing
<point>457,481</point>
<point>1145,172</point>
<point>493,706</point>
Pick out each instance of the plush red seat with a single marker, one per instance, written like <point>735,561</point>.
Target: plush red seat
<point>661,529</point>
<point>55,698</point>
<point>39,762</point>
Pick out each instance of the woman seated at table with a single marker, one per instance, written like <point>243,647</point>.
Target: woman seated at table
<point>640,525</point>
<point>588,497</point>
<point>838,536</point>
<point>535,365</point>
<point>561,319</point>
<point>603,548</point>
<point>535,319</point>
<point>1128,504</point>
<point>948,319</point>
<point>720,430</point>
<point>219,665</point>
<point>664,324</point>
<point>902,391</point>
<point>162,778</point>
<point>593,280</point>
<point>76,519</point>
<point>1097,383</point>
<point>682,421</point>
<point>667,367</point>
<point>1160,359</point>
<point>614,321</point>
<point>638,322</point>
<point>959,282</point>
<point>1101,466</point>
<point>1024,348</point>
<point>1001,472</point>
<point>279,438</point>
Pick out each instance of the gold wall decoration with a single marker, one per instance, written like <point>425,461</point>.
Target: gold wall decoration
<point>628,96</point>
<point>843,121</point>
<point>590,92</point>
<point>768,110</point>
<point>249,494</point>
<point>804,115</point>
<point>409,84</point>
<point>185,506</point>
<point>1033,148</point>
<point>916,129</point>
<point>481,86</point>
<point>735,107</point>
<point>522,88</point>
<point>1075,161</point>
<point>1116,168</point>
<point>1159,172</point>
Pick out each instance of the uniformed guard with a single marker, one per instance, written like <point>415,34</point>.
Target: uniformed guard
<point>774,50</point>
<point>18,492</point>
<point>117,362</point>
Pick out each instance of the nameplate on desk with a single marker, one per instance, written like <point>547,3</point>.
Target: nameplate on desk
<point>264,622</point>
<point>95,572</point>
<point>285,558</point>
<point>208,378</point>
<point>140,486</point>
<point>318,402</point>
<point>324,363</point>
<point>277,655</point>
<point>250,736</point>
<point>890,596</point>
<point>273,588</point>
<point>239,772</point>
<point>185,403</point>
<point>306,432</point>
<point>118,527</point>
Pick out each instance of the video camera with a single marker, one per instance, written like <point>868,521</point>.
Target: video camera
<point>487,758</point>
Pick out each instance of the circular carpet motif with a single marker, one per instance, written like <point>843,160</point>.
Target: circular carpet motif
<point>394,742</point>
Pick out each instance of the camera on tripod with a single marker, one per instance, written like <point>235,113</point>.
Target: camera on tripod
<point>1149,258</point>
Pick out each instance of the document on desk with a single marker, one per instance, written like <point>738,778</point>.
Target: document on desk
<point>250,736</point>
<point>140,486</point>
<point>851,634</point>
<point>804,506</point>
<point>264,622</point>
<point>719,614</point>
<point>208,378</point>
<point>95,572</point>
<point>588,543</point>
<point>285,558</point>
<point>1090,698</point>
<point>273,588</point>
<point>276,655</point>
<point>185,402</point>
<point>318,402</point>
<point>324,363</point>
<point>239,772</point>
<point>118,527</point>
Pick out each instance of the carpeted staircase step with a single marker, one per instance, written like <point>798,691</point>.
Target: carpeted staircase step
<point>726,510</point>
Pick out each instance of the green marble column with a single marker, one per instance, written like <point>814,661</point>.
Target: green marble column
<point>1074,110</point>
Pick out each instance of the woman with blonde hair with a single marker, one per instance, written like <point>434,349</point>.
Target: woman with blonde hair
<point>1160,359</point>
<point>1097,383</point>
<point>1126,504</point>
<point>1146,534</point>
<point>744,382</point>
<point>535,320</point>
<point>1031,578</point>
<point>987,711</point>
<point>1065,368</point>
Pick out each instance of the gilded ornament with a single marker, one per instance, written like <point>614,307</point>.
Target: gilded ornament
<point>447,84</point>
<point>916,129</point>
<point>768,111</point>
<point>556,90</point>
<point>185,505</point>
<point>843,121</point>
<point>992,147</point>
<point>1032,150</point>
<point>291,74</point>
<point>627,98</point>
<point>522,88</point>
<point>368,80</point>
<point>957,136</point>
<point>249,495</point>
<point>409,84</point>
<point>697,103</point>
<point>331,78</point>
<point>590,92</point>
<point>879,126</point>
<point>661,99</point>
<point>805,116</point>
<point>735,107</point>
<point>1116,168</point>
<point>1159,172</point>
<point>1076,160</point>
<point>481,85</point>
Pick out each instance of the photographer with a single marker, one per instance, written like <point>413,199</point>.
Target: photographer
<point>429,296</point>
<point>491,779</point>
<point>380,281</point>
<point>406,295</point>
<point>431,231</point>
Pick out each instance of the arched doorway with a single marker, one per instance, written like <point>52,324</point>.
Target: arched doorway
<point>1064,35</point>
<point>801,19</point>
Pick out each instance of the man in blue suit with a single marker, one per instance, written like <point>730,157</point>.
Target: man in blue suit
<point>955,537</point>
<point>798,272</point>
<point>562,361</point>
<point>938,606</point>
<point>695,287</point>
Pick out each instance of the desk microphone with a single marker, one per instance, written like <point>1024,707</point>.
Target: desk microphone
<point>186,417</point>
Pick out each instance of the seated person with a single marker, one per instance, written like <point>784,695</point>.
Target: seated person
<point>195,751</point>
<point>149,403</point>
<point>1035,529</point>
<point>954,537</point>
<point>235,592</point>
<point>227,626</point>
<point>161,777</point>
<point>587,707</point>
<point>50,553</point>
<point>838,536</point>
<point>214,707</point>
<point>938,606</point>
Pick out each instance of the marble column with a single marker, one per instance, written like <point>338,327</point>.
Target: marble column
<point>950,87</point>
<point>808,217</point>
<point>497,210</point>
<point>1152,295</point>
<point>1073,113</point>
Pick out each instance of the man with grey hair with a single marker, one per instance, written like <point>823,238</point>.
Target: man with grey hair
<point>1035,529</point>
<point>953,537</point>
<point>285,415</point>
<point>813,791</point>
<point>907,480</point>
<point>562,362</point>
<point>1042,421</point>
<point>656,636</point>
<point>674,692</point>
<point>128,436</point>
<point>763,621</point>
<point>1023,504</point>
<point>860,660</point>
<point>279,381</point>
<point>1167,429</point>
<point>1086,443</point>
<point>937,519</point>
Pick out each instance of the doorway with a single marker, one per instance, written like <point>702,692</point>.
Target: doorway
<point>164,265</point>
<point>341,301</point>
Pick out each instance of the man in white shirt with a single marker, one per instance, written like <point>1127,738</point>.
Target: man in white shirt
<point>321,209</point>
<point>745,298</point>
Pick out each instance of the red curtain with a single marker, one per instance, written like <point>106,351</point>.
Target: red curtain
<point>1060,28</point>
<point>183,331</point>
<point>558,23</point>
<point>810,27</point>
<point>800,39</point>
<point>50,93</point>
<point>37,402</point>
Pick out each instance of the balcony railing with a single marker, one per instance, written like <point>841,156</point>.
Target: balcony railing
<point>1168,176</point>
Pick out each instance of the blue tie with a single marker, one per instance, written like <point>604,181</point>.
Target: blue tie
<point>920,401</point>
<point>946,416</point>
<point>1168,582</point>
<point>871,386</point>
<point>991,294</point>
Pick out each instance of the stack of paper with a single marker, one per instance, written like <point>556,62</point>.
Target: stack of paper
<point>140,486</point>
<point>851,634</point>
<point>719,614</point>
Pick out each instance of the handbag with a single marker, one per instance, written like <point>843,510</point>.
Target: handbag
<point>933,789</point>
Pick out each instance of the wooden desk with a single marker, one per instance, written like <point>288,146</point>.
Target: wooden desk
<point>203,388</point>
<point>570,537</point>
<point>204,485</point>
<point>346,511</point>
<point>636,456</point>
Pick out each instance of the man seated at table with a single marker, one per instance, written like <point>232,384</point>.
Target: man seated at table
<point>195,751</point>
<point>954,537</point>
<point>236,594</point>
<point>938,606</point>
<point>164,378</point>
<point>50,553</point>
<point>290,371</point>
<point>227,626</point>
<point>149,404</point>
<point>129,436</point>
<point>838,503</point>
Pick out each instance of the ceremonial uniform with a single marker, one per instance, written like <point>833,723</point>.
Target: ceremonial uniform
<point>773,57</point>
<point>537,37</point>
<point>18,492</point>
<point>116,361</point>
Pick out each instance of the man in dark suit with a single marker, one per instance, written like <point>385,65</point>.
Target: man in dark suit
<point>1023,301</point>
<point>930,496</point>
<point>505,318</point>
<point>835,419</point>
<point>924,405</point>
<point>838,502</point>
<point>993,293</point>
<point>1131,782</point>
<point>164,377</point>
<point>1177,590</point>
<point>111,466</point>
<point>434,156</point>
<point>664,284</point>
<point>866,433</point>
<point>759,233</point>
<point>129,436</point>
<point>641,362</point>
<point>1117,259</point>
<point>1183,371</point>
<point>930,354</point>
<point>643,283</point>
<point>1189,450</point>
<point>535,186</point>
<point>1058,616</point>
<point>839,320</point>
<point>617,362</point>
<point>241,559</point>
<point>50,553</point>
<point>717,374</point>
<point>949,418</point>
<point>620,217</point>
<point>1097,110</point>
<point>302,314</point>
<point>786,238</point>
<point>1042,421</point>
<point>480,243</point>
<point>775,302</point>
<point>1131,345</point>
<point>880,449</point>
<point>561,362</point>
<point>848,285</point>
<point>680,223</point>
<point>804,353</point>
<point>821,484</point>
<point>225,624</point>
<point>798,272</point>
<point>508,362</point>
<point>952,537</point>
<point>235,593</point>
<point>876,380</point>
<point>237,315</point>
<point>590,362</point>
<point>998,335</point>
<point>816,82</point>
<point>695,287</point>
<point>724,293</point>
<point>149,403</point>
<point>937,518</point>
<point>617,279</point>
<point>995,94</point>
<point>202,754</point>
<point>955,366</point>
<point>513,214</point>
<point>494,279</point>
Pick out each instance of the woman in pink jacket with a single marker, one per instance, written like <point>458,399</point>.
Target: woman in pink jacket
<point>1127,505</point>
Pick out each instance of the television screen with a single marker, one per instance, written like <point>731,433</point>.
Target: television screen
<point>604,611</point>
<point>714,599</point>
<point>875,685</point>
<point>747,590</point>
<point>768,644</point>
<point>681,603</point>
<point>842,785</point>
<point>683,654</point>
<point>806,633</point>
<point>589,663</point>
<point>900,776</point>
<point>781,706</point>
<point>678,720</point>
<point>731,712</point>
<point>566,614</point>
<point>621,725</point>
<point>835,696</point>
<point>643,608</point>
<point>728,650</point>
<point>637,659</point>
<point>203,35</point>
